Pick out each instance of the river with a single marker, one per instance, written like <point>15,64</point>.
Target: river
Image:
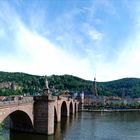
<point>90,126</point>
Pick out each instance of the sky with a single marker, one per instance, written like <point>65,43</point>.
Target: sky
<point>84,38</point>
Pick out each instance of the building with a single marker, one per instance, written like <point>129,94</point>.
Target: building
<point>95,87</point>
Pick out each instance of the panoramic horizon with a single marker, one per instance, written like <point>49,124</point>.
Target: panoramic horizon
<point>72,75</point>
<point>84,39</point>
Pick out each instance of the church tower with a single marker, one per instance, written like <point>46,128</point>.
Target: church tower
<point>94,87</point>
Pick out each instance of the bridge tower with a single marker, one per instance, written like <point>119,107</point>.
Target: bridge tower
<point>43,115</point>
<point>44,112</point>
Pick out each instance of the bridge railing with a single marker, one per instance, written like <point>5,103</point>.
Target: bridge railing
<point>65,98</point>
<point>17,102</point>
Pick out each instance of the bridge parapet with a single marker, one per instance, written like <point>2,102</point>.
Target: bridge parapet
<point>45,98</point>
<point>42,110</point>
<point>64,98</point>
<point>17,102</point>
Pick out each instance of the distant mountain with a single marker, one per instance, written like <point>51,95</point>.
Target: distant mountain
<point>27,83</point>
<point>122,87</point>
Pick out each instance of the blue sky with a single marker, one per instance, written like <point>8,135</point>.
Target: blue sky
<point>85,38</point>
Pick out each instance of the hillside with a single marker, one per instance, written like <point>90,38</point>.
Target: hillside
<point>122,87</point>
<point>71,83</point>
<point>26,83</point>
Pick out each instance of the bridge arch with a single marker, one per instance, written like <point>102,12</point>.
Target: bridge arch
<point>71,108</point>
<point>55,118</point>
<point>20,121</point>
<point>55,114</point>
<point>75,105</point>
<point>64,109</point>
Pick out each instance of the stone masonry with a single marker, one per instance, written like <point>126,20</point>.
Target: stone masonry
<point>39,112</point>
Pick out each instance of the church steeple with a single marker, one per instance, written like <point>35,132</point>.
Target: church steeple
<point>94,87</point>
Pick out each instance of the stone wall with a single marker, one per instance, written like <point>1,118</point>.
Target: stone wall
<point>43,115</point>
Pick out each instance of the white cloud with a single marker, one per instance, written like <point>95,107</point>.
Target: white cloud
<point>126,65</point>
<point>35,54</point>
<point>43,58</point>
<point>95,36</point>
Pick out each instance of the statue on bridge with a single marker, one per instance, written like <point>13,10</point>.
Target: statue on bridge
<point>46,89</point>
<point>46,84</point>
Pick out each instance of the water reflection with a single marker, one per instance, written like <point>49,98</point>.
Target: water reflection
<point>61,130</point>
<point>90,126</point>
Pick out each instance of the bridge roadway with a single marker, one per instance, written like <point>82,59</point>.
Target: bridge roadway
<point>37,114</point>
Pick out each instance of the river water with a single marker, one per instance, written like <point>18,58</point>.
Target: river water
<point>90,126</point>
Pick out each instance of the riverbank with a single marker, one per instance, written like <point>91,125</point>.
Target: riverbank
<point>110,110</point>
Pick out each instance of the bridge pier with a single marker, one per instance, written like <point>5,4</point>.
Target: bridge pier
<point>38,114</point>
<point>68,112</point>
<point>50,126</point>
<point>43,115</point>
<point>73,111</point>
<point>77,108</point>
<point>58,110</point>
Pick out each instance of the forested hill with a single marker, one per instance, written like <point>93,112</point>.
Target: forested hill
<point>19,83</point>
<point>26,83</point>
<point>122,87</point>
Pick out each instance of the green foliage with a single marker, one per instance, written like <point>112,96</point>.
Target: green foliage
<point>123,87</point>
<point>32,84</point>
<point>1,126</point>
<point>69,82</point>
<point>119,105</point>
<point>25,83</point>
<point>7,92</point>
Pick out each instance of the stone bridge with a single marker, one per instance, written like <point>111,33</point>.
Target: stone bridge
<point>38,114</point>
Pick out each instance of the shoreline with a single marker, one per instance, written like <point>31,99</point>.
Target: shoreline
<point>110,110</point>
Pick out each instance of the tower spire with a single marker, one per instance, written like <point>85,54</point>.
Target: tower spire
<point>94,87</point>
